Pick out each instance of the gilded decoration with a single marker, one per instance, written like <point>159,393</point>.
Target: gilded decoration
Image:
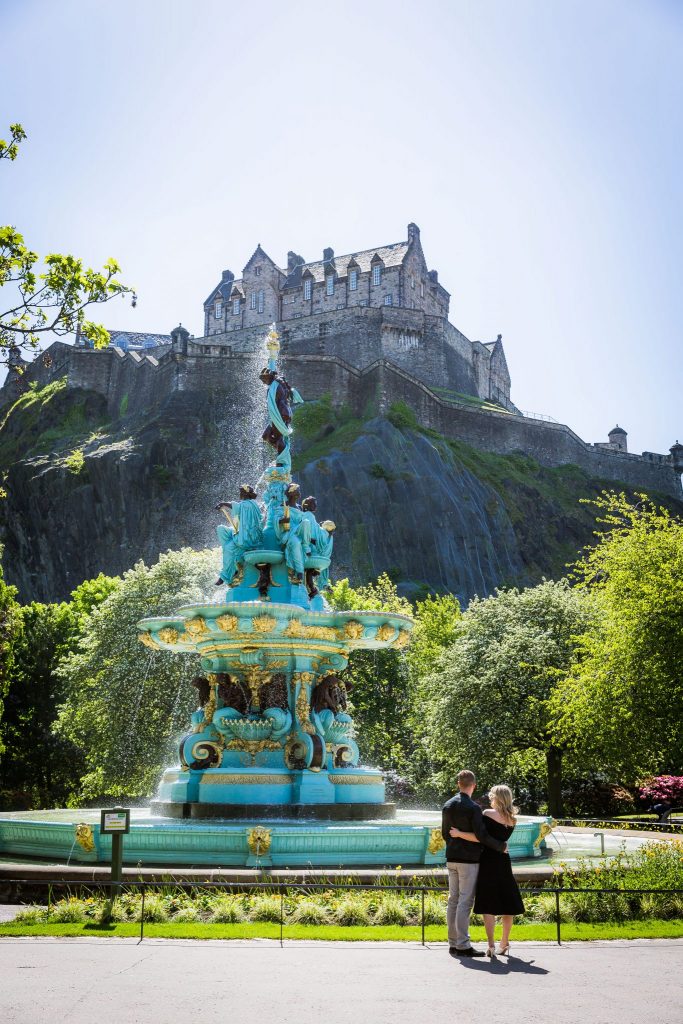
<point>436,841</point>
<point>296,628</point>
<point>247,780</point>
<point>253,747</point>
<point>196,626</point>
<point>305,678</point>
<point>402,640</point>
<point>303,712</point>
<point>355,780</point>
<point>148,640</point>
<point>85,837</point>
<point>227,623</point>
<point>210,706</point>
<point>255,679</point>
<point>168,635</point>
<point>385,632</point>
<point>353,630</point>
<point>258,840</point>
<point>546,829</point>
<point>263,623</point>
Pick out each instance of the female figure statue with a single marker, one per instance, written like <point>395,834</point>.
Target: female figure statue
<point>243,533</point>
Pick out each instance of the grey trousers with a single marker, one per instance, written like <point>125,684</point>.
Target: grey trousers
<point>462,884</point>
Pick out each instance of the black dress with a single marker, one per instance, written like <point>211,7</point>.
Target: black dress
<point>497,891</point>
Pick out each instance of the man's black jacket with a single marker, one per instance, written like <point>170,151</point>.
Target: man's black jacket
<point>462,812</point>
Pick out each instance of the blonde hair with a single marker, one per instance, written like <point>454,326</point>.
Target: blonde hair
<point>501,801</point>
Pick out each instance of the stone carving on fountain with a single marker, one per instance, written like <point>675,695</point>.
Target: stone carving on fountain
<point>273,695</point>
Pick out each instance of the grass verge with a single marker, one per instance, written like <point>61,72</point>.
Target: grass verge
<point>335,933</point>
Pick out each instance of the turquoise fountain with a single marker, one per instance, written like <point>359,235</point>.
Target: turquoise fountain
<point>269,772</point>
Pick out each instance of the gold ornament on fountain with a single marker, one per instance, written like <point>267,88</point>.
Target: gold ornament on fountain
<point>385,632</point>
<point>436,841</point>
<point>227,623</point>
<point>85,837</point>
<point>272,342</point>
<point>353,630</point>
<point>258,840</point>
<point>196,626</point>
<point>402,640</point>
<point>263,623</point>
<point>168,635</point>
<point>148,640</point>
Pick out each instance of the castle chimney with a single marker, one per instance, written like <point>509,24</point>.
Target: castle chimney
<point>617,437</point>
<point>227,275</point>
<point>328,255</point>
<point>413,233</point>
<point>293,261</point>
<point>433,276</point>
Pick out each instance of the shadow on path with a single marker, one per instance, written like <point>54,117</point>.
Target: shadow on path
<point>502,965</point>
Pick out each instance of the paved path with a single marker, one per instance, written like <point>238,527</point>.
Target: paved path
<point>169,981</point>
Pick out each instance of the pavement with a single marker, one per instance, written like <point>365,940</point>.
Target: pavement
<point>168,981</point>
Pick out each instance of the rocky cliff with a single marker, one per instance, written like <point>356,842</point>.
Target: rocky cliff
<point>87,494</point>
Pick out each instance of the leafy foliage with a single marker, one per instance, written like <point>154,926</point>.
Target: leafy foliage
<point>487,700</point>
<point>10,629</point>
<point>51,301</point>
<point>665,789</point>
<point>125,703</point>
<point>622,705</point>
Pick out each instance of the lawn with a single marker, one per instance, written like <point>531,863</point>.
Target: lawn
<point>335,933</point>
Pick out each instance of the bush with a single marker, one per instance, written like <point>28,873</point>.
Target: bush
<point>264,908</point>
<point>352,910</point>
<point>307,911</point>
<point>31,915</point>
<point>391,910</point>
<point>227,910</point>
<point>664,789</point>
<point>594,797</point>
<point>186,913</point>
<point>435,909</point>
<point>155,909</point>
<point>69,911</point>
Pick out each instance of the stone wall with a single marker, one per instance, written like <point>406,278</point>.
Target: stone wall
<point>134,384</point>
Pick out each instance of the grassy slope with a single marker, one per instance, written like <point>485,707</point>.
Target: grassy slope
<point>334,933</point>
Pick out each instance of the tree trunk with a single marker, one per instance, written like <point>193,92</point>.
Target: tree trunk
<point>553,760</point>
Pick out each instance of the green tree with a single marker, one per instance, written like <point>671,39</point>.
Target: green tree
<point>126,705</point>
<point>38,767</point>
<point>487,700</point>
<point>378,679</point>
<point>53,301</point>
<point>622,706</point>
<point>10,630</point>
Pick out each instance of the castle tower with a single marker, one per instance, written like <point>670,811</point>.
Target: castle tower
<point>179,339</point>
<point>677,456</point>
<point>617,438</point>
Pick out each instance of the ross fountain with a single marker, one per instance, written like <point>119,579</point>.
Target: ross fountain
<point>269,771</point>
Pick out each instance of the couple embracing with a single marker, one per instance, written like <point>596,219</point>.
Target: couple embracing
<point>479,867</point>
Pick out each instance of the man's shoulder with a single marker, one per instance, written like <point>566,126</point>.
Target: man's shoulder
<point>455,801</point>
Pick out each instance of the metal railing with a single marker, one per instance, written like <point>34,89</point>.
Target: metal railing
<point>283,888</point>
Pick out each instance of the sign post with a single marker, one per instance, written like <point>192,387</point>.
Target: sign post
<point>115,823</point>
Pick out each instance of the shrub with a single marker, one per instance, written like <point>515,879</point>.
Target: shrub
<point>155,909</point>
<point>31,915</point>
<point>352,910</point>
<point>227,910</point>
<point>307,911</point>
<point>264,908</point>
<point>391,910</point>
<point>435,909</point>
<point>664,789</point>
<point>594,797</point>
<point>186,913</point>
<point>75,461</point>
<point>69,911</point>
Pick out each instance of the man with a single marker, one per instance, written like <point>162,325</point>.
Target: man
<point>462,861</point>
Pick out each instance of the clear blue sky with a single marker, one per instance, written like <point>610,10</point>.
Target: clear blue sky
<point>537,144</point>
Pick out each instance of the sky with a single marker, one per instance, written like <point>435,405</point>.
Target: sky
<point>537,145</point>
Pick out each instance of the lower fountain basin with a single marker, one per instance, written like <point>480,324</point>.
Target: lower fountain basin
<point>251,843</point>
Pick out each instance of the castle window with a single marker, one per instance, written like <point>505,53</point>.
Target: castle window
<point>353,280</point>
<point>422,290</point>
<point>329,280</point>
<point>377,274</point>
<point>235,307</point>
<point>307,288</point>
<point>260,301</point>
<point>323,330</point>
<point>218,310</point>
<point>388,300</point>
<point>257,271</point>
<point>252,300</point>
<point>412,282</point>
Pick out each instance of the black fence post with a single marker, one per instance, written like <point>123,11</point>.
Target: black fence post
<point>282,914</point>
<point>422,893</point>
<point>49,901</point>
<point>557,916</point>
<point>142,912</point>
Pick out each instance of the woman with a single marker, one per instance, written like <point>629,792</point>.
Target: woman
<point>497,891</point>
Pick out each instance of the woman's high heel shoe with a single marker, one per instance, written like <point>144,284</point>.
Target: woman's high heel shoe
<point>503,950</point>
<point>491,951</point>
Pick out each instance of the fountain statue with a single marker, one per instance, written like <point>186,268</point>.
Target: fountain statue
<point>269,770</point>
<point>273,734</point>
